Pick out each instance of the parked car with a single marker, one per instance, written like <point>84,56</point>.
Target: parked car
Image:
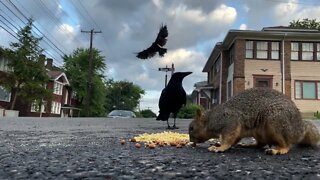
<point>121,114</point>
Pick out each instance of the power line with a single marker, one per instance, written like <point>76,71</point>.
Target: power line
<point>46,39</point>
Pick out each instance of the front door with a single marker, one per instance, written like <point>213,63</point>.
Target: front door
<point>263,81</point>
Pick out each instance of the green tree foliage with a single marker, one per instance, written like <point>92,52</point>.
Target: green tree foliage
<point>28,75</point>
<point>122,95</point>
<point>76,69</point>
<point>305,24</point>
<point>147,113</point>
<point>188,111</point>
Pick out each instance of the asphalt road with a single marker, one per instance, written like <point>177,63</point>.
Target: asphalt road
<point>89,148</point>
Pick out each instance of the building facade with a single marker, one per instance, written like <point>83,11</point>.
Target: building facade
<point>63,103</point>
<point>281,58</point>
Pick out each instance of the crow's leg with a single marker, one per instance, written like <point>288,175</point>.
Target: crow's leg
<point>174,123</point>
<point>169,127</point>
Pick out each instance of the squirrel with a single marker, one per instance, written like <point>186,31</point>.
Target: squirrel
<point>265,114</point>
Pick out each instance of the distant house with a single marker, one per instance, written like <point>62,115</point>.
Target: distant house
<point>63,103</point>
<point>281,58</point>
<point>201,94</point>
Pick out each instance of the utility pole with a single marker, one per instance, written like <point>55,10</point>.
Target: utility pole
<point>90,71</point>
<point>166,69</point>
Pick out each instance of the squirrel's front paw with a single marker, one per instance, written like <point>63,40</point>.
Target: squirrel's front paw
<point>216,149</point>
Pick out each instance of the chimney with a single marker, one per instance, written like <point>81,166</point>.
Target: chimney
<point>49,63</point>
<point>42,59</point>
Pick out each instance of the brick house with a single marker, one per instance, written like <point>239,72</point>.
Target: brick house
<point>62,105</point>
<point>281,58</point>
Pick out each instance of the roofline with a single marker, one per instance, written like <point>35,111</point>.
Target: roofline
<point>265,34</point>
<point>65,76</point>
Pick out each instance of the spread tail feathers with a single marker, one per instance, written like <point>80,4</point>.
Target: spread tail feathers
<point>162,52</point>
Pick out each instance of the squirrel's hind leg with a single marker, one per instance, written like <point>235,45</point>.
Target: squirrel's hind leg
<point>281,146</point>
<point>277,150</point>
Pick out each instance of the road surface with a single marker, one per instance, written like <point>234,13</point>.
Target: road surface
<point>89,148</point>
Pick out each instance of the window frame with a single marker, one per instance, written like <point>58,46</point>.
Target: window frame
<point>7,95</point>
<point>301,82</point>
<point>57,88</point>
<point>258,77</point>
<point>269,50</point>
<point>315,53</point>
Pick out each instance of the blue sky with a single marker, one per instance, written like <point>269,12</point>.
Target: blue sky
<point>129,26</point>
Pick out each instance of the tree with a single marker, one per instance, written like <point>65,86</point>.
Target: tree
<point>76,69</point>
<point>188,111</point>
<point>122,95</point>
<point>305,24</point>
<point>147,113</point>
<point>28,75</point>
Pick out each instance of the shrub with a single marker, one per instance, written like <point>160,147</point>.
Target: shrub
<point>188,111</point>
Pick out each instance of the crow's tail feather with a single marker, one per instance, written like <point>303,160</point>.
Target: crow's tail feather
<point>162,52</point>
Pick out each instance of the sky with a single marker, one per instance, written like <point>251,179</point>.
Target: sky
<point>130,26</point>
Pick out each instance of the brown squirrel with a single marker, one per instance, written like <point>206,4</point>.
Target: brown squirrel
<point>265,114</point>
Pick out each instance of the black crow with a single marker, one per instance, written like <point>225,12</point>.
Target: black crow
<point>157,46</point>
<point>172,98</point>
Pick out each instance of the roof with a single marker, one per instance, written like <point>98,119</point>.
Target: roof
<point>55,75</point>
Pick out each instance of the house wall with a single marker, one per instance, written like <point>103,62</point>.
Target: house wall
<point>253,67</point>
<point>305,71</point>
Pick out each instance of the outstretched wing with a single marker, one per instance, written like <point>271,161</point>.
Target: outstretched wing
<point>157,46</point>
<point>148,53</point>
<point>162,36</point>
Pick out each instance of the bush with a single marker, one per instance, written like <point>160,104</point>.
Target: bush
<point>317,115</point>
<point>147,113</point>
<point>188,111</point>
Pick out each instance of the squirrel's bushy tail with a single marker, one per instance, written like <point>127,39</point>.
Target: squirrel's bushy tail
<point>312,134</point>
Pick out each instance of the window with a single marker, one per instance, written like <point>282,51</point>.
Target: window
<point>275,50</point>
<point>4,64</point>
<point>318,51</point>
<point>294,51</point>
<point>229,89</point>
<point>35,106</point>
<point>231,55</point>
<point>57,88</point>
<point>249,49</point>
<point>217,66</point>
<point>307,90</point>
<point>307,51</point>
<point>55,107</point>
<point>4,95</point>
<point>262,50</point>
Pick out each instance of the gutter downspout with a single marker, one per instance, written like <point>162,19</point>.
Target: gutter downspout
<point>220,84</point>
<point>283,65</point>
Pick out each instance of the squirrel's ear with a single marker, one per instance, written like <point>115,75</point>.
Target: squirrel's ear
<point>198,114</point>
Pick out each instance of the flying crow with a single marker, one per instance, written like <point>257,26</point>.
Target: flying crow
<point>172,98</point>
<point>157,46</point>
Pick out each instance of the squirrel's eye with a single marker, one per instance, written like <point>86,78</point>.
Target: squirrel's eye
<point>191,128</point>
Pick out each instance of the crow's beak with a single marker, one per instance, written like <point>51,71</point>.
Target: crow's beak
<point>186,73</point>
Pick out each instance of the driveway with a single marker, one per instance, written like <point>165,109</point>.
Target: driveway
<point>89,148</point>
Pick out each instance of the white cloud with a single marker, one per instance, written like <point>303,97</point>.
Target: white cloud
<point>243,27</point>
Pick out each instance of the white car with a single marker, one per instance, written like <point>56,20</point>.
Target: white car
<point>121,114</point>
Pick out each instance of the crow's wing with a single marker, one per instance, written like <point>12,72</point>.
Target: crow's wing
<point>163,100</point>
<point>162,36</point>
<point>148,53</point>
<point>156,46</point>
